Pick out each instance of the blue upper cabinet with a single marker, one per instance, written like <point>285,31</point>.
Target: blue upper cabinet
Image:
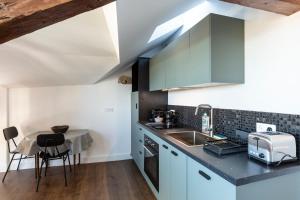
<point>211,53</point>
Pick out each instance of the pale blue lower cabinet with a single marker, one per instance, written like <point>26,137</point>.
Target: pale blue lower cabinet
<point>164,171</point>
<point>178,167</point>
<point>138,148</point>
<point>204,184</point>
<point>172,173</point>
<point>183,178</point>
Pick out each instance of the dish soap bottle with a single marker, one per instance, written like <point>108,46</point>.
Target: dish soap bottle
<point>205,123</point>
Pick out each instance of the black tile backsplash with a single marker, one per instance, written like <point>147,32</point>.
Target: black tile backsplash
<point>226,121</point>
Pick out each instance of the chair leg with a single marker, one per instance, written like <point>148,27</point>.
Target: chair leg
<point>47,164</point>
<point>69,163</point>
<point>8,167</point>
<point>74,160</point>
<point>65,172</point>
<point>40,176</point>
<point>19,163</point>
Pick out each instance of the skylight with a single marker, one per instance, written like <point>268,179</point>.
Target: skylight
<point>186,20</point>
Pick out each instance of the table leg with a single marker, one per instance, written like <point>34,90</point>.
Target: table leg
<point>79,158</point>
<point>35,166</point>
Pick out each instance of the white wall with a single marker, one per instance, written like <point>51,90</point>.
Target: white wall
<point>3,124</point>
<point>272,70</point>
<point>104,109</point>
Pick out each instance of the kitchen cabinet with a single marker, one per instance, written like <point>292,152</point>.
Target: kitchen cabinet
<point>142,102</point>
<point>205,184</point>
<point>211,53</point>
<point>134,119</point>
<point>178,167</point>
<point>164,171</point>
<point>183,178</point>
<point>172,173</point>
<point>140,75</point>
<point>157,71</point>
<point>137,151</point>
<point>141,105</point>
<point>177,60</point>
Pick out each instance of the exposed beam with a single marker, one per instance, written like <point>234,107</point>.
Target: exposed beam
<point>292,1</point>
<point>20,17</point>
<point>284,7</point>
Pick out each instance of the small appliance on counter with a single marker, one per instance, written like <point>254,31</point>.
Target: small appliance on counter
<point>272,147</point>
<point>171,119</point>
<point>163,119</point>
<point>157,115</point>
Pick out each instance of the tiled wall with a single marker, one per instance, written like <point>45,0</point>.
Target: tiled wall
<point>226,121</point>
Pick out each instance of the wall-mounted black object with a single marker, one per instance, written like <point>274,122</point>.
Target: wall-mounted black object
<point>140,75</point>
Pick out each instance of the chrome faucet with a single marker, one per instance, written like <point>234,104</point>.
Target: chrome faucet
<point>211,134</point>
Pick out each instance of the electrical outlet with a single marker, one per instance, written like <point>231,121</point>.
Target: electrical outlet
<point>262,127</point>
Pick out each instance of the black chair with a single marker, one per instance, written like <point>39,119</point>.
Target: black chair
<point>9,135</point>
<point>49,151</point>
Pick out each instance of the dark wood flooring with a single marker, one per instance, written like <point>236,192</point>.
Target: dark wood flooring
<point>118,180</point>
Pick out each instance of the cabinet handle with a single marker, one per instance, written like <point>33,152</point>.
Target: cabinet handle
<point>140,152</point>
<point>165,146</point>
<point>202,173</point>
<point>174,153</point>
<point>136,106</point>
<point>141,141</point>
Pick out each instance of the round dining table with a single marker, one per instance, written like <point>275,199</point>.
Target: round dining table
<point>77,141</point>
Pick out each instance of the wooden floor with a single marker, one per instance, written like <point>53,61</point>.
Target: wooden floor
<point>118,180</point>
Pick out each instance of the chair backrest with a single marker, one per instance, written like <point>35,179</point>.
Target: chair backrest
<point>10,133</point>
<point>50,140</point>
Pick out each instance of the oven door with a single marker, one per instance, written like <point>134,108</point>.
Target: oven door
<point>151,164</point>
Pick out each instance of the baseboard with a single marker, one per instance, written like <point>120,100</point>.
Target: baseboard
<point>29,163</point>
<point>115,157</point>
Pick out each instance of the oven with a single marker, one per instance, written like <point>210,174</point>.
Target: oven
<point>151,160</point>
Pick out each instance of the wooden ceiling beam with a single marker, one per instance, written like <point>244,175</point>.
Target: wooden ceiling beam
<point>20,17</point>
<point>284,7</point>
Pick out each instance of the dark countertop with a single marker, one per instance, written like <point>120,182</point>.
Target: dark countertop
<point>238,169</point>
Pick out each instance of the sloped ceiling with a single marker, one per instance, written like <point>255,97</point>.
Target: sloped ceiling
<point>75,51</point>
<point>88,47</point>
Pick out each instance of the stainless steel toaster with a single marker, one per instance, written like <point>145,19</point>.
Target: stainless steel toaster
<point>272,147</point>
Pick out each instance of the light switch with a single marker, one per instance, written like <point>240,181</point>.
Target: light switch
<point>109,109</point>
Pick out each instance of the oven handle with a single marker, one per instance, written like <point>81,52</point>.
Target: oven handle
<point>150,152</point>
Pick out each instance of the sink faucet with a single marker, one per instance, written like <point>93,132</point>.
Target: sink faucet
<point>211,134</point>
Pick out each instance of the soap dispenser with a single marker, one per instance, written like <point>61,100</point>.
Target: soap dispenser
<point>205,123</point>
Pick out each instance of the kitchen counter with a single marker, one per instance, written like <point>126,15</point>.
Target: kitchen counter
<point>238,169</point>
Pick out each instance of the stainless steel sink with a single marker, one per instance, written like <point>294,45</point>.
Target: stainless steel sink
<point>191,138</point>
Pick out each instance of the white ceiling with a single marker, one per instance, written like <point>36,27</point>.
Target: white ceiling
<point>86,48</point>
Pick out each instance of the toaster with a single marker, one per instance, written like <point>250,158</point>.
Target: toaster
<point>272,147</point>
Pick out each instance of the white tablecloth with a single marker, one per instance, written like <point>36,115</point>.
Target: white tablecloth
<point>76,140</point>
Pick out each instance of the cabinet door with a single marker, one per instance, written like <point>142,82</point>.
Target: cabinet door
<point>205,184</point>
<point>164,171</point>
<point>140,147</point>
<point>198,70</point>
<point>178,167</point>
<point>134,119</point>
<point>178,62</point>
<point>157,71</point>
